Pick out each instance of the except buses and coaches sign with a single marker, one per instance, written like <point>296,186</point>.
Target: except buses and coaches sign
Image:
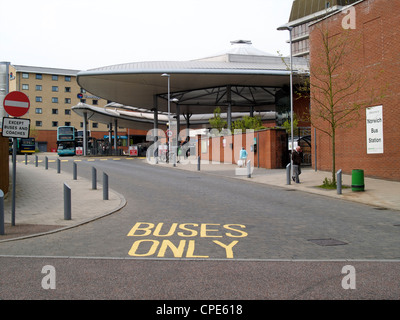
<point>16,128</point>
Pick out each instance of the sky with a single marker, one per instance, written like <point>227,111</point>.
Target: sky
<point>86,34</point>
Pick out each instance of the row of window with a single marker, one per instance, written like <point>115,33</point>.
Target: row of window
<point>301,46</point>
<point>66,100</point>
<point>55,124</point>
<point>53,111</point>
<point>39,76</point>
<point>39,87</point>
<point>300,31</point>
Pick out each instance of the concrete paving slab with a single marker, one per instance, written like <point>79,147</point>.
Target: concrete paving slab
<point>40,199</point>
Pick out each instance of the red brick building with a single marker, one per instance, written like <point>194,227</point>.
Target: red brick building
<point>368,32</point>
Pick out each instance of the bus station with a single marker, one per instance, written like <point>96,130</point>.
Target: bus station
<point>152,95</point>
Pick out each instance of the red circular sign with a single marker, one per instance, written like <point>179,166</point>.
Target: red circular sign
<point>16,103</point>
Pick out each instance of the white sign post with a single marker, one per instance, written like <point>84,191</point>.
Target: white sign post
<point>16,104</point>
<point>374,116</point>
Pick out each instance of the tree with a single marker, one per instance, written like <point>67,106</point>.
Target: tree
<point>216,122</point>
<point>287,125</point>
<point>248,122</point>
<point>335,86</point>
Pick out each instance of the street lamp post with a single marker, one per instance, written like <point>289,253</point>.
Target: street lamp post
<point>169,111</point>
<point>291,93</point>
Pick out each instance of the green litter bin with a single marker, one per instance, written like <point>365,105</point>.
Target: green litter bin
<point>357,180</point>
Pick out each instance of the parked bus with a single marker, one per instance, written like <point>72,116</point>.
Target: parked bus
<point>66,141</point>
<point>24,145</point>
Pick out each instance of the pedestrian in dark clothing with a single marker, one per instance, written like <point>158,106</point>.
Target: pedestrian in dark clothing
<point>297,158</point>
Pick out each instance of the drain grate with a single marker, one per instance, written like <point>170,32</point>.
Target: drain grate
<point>327,242</point>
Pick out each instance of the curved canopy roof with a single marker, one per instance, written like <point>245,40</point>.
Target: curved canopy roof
<point>243,79</point>
<point>142,119</point>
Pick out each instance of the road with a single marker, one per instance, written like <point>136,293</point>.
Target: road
<point>190,235</point>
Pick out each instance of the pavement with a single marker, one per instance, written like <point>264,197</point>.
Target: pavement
<point>379,193</point>
<point>40,204</point>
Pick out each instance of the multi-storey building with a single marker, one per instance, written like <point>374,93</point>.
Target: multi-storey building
<point>52,92</point>
<point>365,81</point>
<point>305,12</point>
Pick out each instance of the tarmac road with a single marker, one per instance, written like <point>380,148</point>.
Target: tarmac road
<point>190,235</point>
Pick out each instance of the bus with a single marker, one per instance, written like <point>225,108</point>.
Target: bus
<point>66,140</point>
<point>24,145</point>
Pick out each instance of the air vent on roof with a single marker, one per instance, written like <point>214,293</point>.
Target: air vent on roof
<point>241,42</point>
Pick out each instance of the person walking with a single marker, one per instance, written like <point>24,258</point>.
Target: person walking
<point>297,158</point>
<point>242,157</point>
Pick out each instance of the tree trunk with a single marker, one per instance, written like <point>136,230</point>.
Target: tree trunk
<point>333,156</point>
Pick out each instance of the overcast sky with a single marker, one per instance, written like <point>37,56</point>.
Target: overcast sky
<point>85,34</point>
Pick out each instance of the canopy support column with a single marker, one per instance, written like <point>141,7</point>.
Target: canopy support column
<point>178,123</point>
<point>85,144</point>
<point>115,136</point>
<point>155,110</point>
<point>110,132</point>
<point>229,111</point>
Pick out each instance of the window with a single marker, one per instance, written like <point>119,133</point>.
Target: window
<point>54,77</point>
<point>25,87</point>
<point>67,112</point>
<point>67,100</point>
<point>67,78</point>
<point>95,102</point>
<point>67,89</point>
<point>54,100</point>
<point>25,75</point>
<point>67,123</point>
<point>83,100</point>
<point>54,111</point>
<point>38,99</point>
<point>83,90</point>
<point>81,124</point>
<point>54,88</point>
<point>54,123</point>
<point>38,123</point>
<point>38,110</point>
<point>39,76</point>
<point>38,87</point>
<point>95,125</point>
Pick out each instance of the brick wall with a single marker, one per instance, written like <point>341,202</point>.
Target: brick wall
<point>373,52</point>
<point>271,153</point>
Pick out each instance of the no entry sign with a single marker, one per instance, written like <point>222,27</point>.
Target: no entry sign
<point>16,103</point>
